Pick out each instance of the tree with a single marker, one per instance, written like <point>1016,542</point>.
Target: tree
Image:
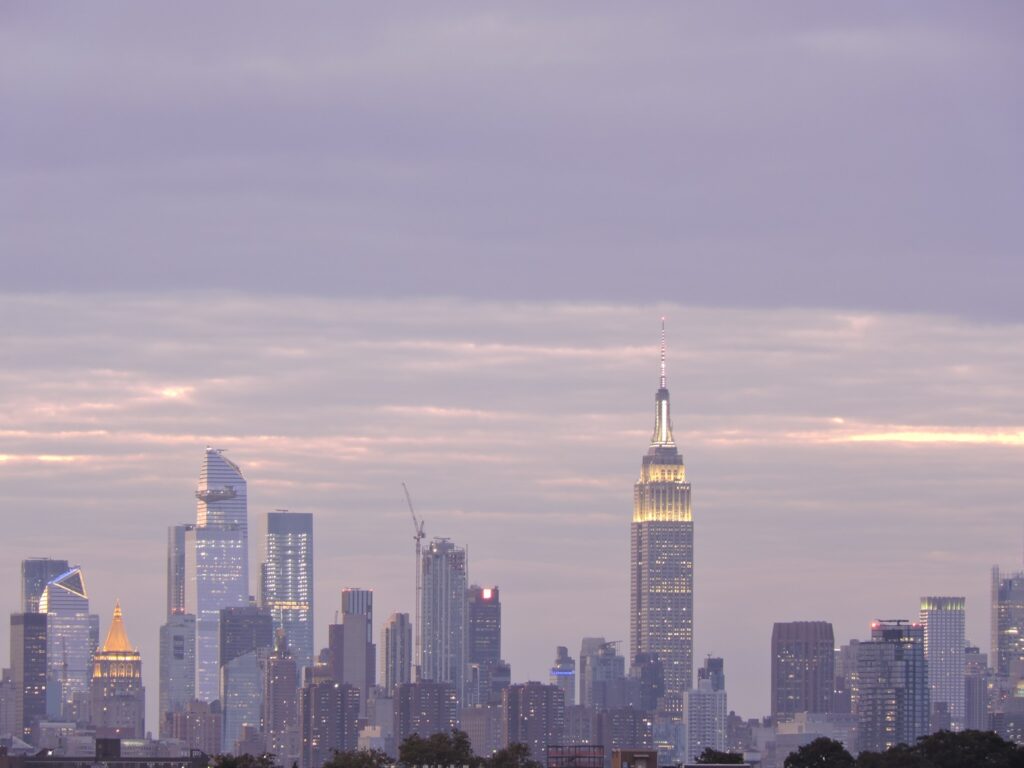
<point>899,756</point>
<point>359,758</point>
<point>242,761</point>
<point>969,748</point>
<point>820,753</point>
<point>438,749</point>
<point>515,755</point>
<point>712,756</point>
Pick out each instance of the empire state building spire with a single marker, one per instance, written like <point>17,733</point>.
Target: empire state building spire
<point>662,413</point>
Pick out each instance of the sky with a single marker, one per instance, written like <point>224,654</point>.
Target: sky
<point>356,246</point>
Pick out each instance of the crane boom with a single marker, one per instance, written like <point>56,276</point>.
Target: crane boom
<point>418,536</point>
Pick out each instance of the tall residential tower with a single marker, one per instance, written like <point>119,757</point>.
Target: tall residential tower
<point>661,556</point>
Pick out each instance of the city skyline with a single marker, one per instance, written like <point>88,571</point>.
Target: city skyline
<point>750,689</point>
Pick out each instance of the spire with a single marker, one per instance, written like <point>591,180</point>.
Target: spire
<point>662,417</point>
<point>663,352</point>
<point>117,637</point>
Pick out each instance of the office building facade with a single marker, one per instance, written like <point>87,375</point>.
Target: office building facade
<point>72,634</point>
<point>563,674</point>
<point>661,560</point>
<point>28,670</point>
<point>246,641</point>
<point>943,619</point>
<point>395,652</point>
<point>890,686</point>
<point>36,573</point>
<point>443,614</point>
<point>534,716</point>
<point>177,667</point>
<point>286,580</point>
<point>803,668</point>
<point>216,561</point>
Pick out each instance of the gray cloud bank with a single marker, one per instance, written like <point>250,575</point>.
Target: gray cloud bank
<point>843,464</point>
<point>857,156</point>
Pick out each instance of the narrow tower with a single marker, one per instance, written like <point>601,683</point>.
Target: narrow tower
<point>661,555</point>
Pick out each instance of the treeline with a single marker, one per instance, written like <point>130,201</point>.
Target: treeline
<point>437,749</point>
<point>966,749</point>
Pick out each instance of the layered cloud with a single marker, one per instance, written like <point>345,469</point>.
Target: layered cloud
<point>843,464</point>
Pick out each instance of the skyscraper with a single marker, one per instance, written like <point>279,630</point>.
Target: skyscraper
<point>396,652</point>
<point>424,707</point>
<point>280,704</point>
<point>943,621</point>
<point>177,668</point>
<point>246,641</point>
<point>661,560</point>
<point>483,646</point>
<point>118,697</point>
<point>890,686</point>
<point>353,654</point>
<point>286,580</point>
<point>216,562</point>
<point>483,625</point>
<point>28,670</point>
<point>36,573</point>
<point>1008,623</point>
<point>443,614</point>
<point>330,721</point>
<point>563,674</point>
<point>534,716</point>
<point>72,634</point>
<point>803,668</point>
<point>177,577</point>
<point>704,710</point>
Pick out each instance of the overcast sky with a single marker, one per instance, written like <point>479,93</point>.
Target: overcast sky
<point>358,245</point>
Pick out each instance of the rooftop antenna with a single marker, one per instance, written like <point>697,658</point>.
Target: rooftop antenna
<point>418,535</point>
<point>662,352</point>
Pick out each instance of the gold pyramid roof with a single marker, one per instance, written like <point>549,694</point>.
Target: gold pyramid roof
<point>117,637</point>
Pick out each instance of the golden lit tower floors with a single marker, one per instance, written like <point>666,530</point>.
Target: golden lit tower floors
<point>661,556</point>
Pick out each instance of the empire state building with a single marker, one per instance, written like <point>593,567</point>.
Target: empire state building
<point>661,556</point>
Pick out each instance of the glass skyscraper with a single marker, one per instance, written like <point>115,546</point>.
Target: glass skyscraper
<point>286,580</point>
<point>1007,621</point>
<point>443,614</point>
<point>396,652</point>
<point>216,561</point>
<point>72,634</point>
<point>943,619</point>
<point>36,573</point>
<point>661,556</point>
<point>246,642</point>
<point>890,686</point>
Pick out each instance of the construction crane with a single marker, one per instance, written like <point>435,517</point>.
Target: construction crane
<point>419,536</point>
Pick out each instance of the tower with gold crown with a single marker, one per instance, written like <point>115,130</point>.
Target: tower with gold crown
<point>661,555</point>
<point>118,697</point>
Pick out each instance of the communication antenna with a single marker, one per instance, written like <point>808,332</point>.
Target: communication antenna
<point>418,536</point>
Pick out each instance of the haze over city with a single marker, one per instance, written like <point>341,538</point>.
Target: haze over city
<point>356,247</point>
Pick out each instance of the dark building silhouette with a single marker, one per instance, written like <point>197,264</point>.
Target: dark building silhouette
<point>28,670</point>
<point>803,668</point>
<point>534,716</point>
<point>425,707</point>
<point>330,721</point>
